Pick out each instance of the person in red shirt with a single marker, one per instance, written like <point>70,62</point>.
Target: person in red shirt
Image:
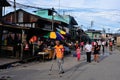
<point>110,45</point>
<point>78,53</point>
<point>82,45</point>
<point>25,50</point>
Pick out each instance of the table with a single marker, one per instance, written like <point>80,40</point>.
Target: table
<point>43,54</point>
<point>51,52</point>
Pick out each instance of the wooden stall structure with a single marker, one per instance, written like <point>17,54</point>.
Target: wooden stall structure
<point>12,38</point>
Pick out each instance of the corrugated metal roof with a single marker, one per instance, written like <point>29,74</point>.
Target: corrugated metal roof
<point>44,14</point>
<point>4,3</point>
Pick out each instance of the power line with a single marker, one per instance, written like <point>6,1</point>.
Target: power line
<point>62,9</point>
<point>18,5</point>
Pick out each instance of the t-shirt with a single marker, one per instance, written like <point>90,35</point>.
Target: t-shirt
<point>76,45</point>
<point>26,47</point>
<point>88,48</point>
<point>99,42</point>
<point>110,43</point>
<point>78,51</point>
<point>93,43</point>
<point>103,43</point>
<point>82,43</point>
<point>59,51</point>
<point>96,49</point>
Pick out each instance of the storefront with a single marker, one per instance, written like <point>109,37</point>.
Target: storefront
<point>13,42</point>
<point>12,37</point>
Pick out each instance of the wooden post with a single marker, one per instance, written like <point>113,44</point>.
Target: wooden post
<point>21,56</point>
<point>15,11</point>
<point>1,33</point>
<point>0,13</point>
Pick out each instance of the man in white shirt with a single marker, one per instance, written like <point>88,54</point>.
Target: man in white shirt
<point>88,49</point>
<point>103,46</point>
<point>99,44</point>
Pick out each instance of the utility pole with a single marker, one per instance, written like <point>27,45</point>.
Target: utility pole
<point>0,12</point>
<point>108,30</point>
<point>63,12</point>
<point>1,9</point>
<point>92,23</point>
<point>52,19</point>
<point>59,6</point>
<point>14,11</point>
<point>104,31</point>
<point>51,13</point>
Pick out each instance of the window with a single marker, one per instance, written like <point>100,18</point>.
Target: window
<point>20,16</point>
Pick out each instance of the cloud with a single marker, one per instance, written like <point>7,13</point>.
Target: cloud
<point>101,4</point>
<point>104,13</point>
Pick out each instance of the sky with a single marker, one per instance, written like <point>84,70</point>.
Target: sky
<point>103,13</point>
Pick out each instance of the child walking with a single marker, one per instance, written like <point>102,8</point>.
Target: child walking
<point>78,52</point>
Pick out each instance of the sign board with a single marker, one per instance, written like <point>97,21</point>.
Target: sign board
<point>47,27</point>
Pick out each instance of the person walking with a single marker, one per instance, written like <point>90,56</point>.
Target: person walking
<point>103,46</point>
<point>93,43</point>
<point>99,44</point>
<point>26,50</point>
<point>88,49</point>
<point>96,52</point>
<point>106,44</point>
<point>59,53</point>
<point>78,53</point>
<point>76,44</point>
<point>110,45</point>
<point>82,45</point>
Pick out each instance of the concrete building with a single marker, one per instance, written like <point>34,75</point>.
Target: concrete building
<point>94,34</point>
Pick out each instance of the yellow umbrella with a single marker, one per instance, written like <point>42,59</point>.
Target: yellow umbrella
<point>61,31</point>
<point>53,35</point>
